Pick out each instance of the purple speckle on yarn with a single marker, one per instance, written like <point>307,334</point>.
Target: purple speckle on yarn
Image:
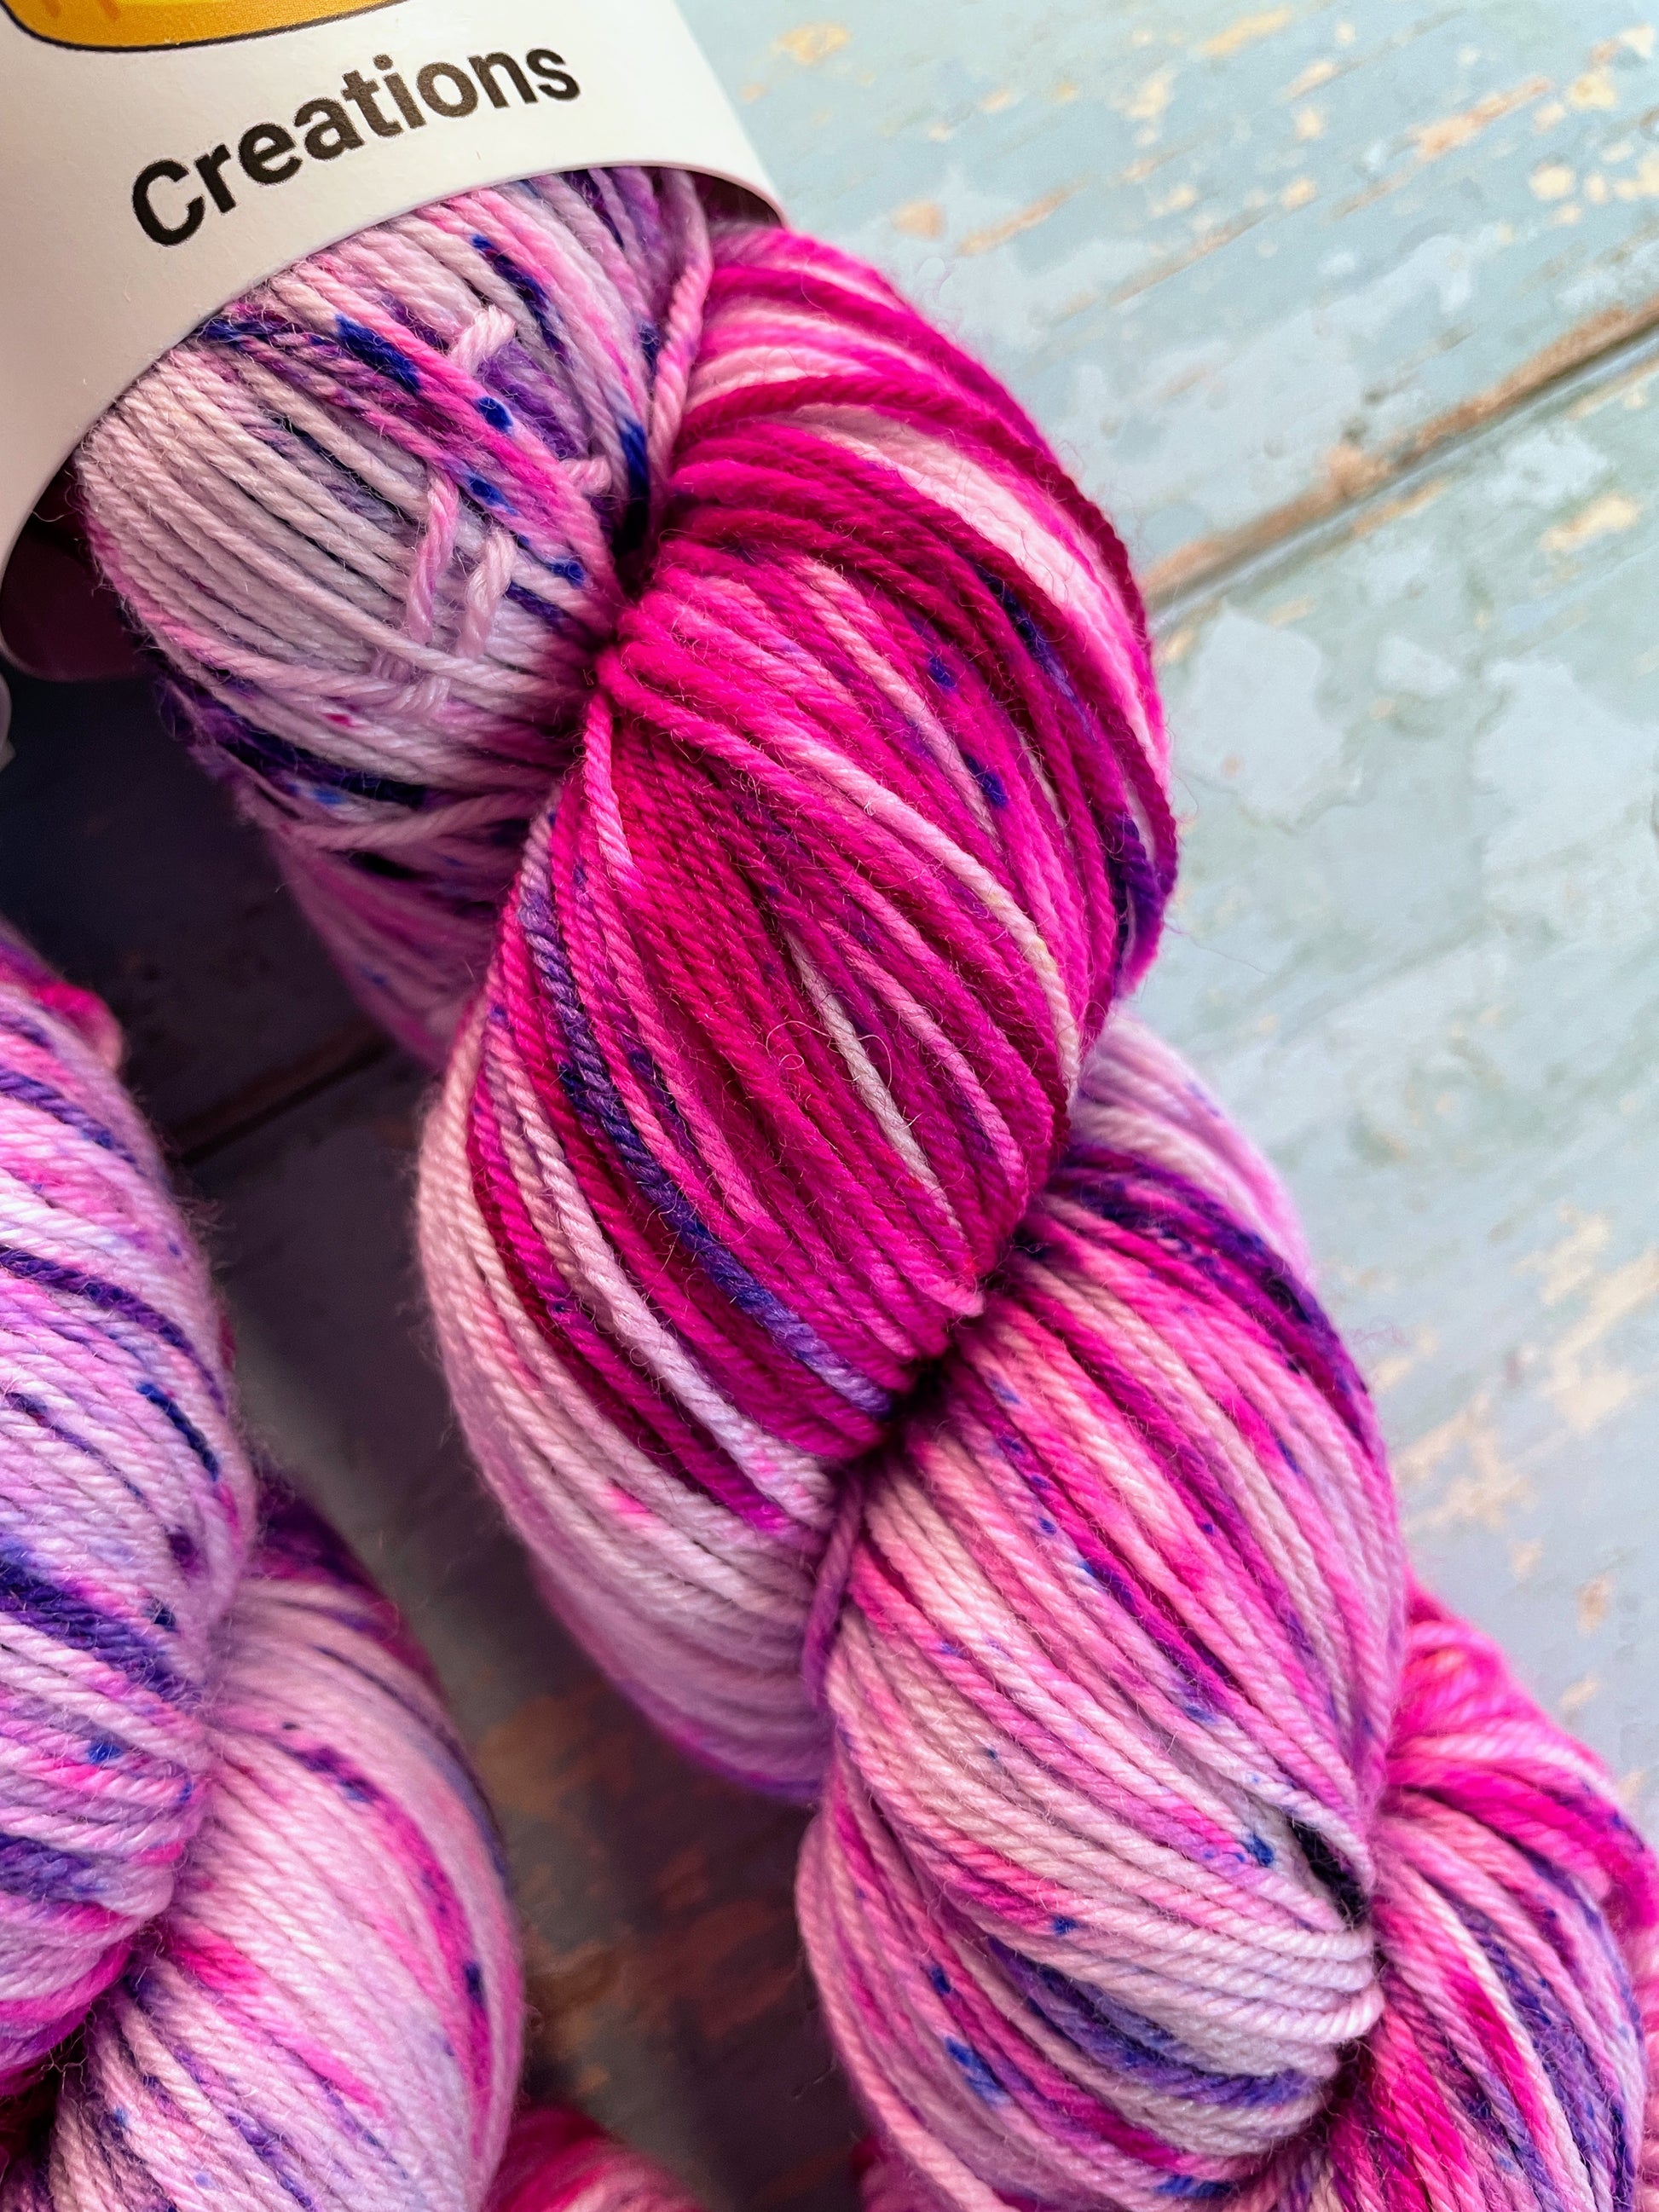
<point>30,1091</point>
<point>989,781</point>
<point>974,2071</point>
<point>109,1298</point>
<point>323,1759</point>
<point>41,1871</point>
<point>30,1597</point>
<point>378,353</point>
<point>170,1407</point>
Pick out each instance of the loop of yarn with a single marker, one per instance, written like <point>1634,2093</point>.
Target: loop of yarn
<point>1172,1845</point>
<point>902,1375</point>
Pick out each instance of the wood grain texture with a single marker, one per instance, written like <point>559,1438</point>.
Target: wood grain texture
<point>1417,947</point>
<point>1239,261</point>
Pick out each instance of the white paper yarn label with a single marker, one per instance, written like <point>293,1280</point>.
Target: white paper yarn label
<point>157,157</point>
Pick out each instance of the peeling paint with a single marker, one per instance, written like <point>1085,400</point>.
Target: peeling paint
<point>1575,1700</point>
<point>1587,1391</point>
<point>1151,97</point>
<point>809,44</point>
<point>1594,1603</point>
<point>1486,1494</point>
<point>1433,142</point>
<point>1013,226</point>
<point>1244,31</point>
<point>920,219</point>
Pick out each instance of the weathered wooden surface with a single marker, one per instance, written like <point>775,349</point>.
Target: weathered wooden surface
<point>1235,258</point>
<point>118,857</point>
<point>1344,313</point>
<point>1417,950</point>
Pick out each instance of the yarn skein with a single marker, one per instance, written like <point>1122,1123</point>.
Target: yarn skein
<point>255,1943</point>
<point>377,516</point>
<point>902,1375</point>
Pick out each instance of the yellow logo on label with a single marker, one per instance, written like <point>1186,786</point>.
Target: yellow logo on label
<point>112,26</point>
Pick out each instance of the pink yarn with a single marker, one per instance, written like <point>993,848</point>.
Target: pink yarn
<point>377,515</point>
<point>902,1375</point>
<point>242,1860</point>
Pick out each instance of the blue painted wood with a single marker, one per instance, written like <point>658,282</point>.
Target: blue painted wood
<point>1417,947</point>
<point>1232,254</point>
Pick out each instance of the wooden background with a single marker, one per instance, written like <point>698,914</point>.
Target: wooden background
<point>1350,315</point>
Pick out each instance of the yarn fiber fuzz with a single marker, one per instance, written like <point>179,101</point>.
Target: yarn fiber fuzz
<point>904,1378</point>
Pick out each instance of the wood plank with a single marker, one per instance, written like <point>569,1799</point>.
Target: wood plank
<point>1417,949</point>
<point>1240,259</point>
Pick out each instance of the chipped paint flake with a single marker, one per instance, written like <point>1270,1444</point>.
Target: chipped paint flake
<point>1587,1391</point>
<point>1294,760</point>
<point>1309,122</point>
<point>1614,511</point>
<point>1595,89</point>
<point>1147,102</point>
<point>1486,1493</point>
<point>1297,193</point>
<point>809,44</point>
<point>1551,181</point>
<point>919,219</point>
<point>1594,1603</point>
<point>1014,226</point>
<point>1316,74</point>
<point>1244,31</point>
<point>1570,1264</point>
<point>1433,141</point>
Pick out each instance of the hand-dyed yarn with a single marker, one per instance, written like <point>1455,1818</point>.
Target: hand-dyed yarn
<point>795,985</point>
<point>377,515</point>
<point>241,1856</point>
<point>903,1375</point>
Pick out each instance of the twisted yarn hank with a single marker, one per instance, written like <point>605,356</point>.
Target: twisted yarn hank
<point>902,1375</point>
<point>867,829</point>
<point>854,1329</point>
<point>1172,1844</point>
<point>376,515</point>
<point>252,1906</point>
